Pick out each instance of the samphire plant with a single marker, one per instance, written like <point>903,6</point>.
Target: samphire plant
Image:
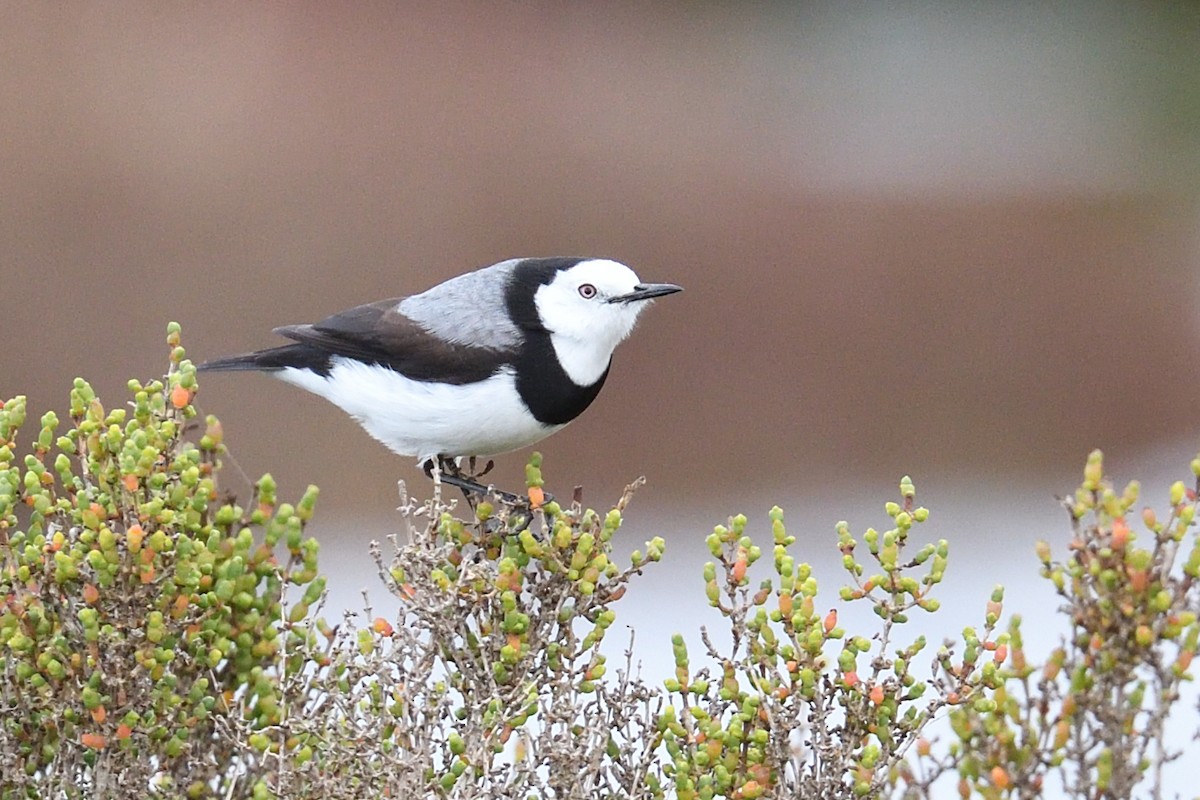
<point>159,639</point>
<point>138,610</point>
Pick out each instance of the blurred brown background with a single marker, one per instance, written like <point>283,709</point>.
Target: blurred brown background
<point>947,239</point>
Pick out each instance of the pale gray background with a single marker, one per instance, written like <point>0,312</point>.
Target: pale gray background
<point>953,240</point>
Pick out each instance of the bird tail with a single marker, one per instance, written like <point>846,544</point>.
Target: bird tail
<point>269,360</point>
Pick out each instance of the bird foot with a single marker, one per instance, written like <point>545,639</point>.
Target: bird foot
<point>473,489</point>
<point>450,472</point>
<point>488,467</point>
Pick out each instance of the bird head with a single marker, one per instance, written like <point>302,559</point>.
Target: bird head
<point>595,301</point>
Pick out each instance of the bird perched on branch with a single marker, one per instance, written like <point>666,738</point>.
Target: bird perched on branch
<point>484,363</point>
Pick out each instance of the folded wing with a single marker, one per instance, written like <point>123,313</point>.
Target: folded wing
<point>375,333</point>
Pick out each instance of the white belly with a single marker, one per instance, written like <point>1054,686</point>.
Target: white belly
<point>424,419</point>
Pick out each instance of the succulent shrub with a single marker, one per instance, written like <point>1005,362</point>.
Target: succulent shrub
<point>138,608</point>
<point>160,639</point>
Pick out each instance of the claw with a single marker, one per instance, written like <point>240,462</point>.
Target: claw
<point>451,473</point>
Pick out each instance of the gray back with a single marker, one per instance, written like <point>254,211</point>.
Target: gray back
<point>470,309</point>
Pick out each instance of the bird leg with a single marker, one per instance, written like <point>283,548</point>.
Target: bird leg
<point>451,474</point>
<point>486,467</point>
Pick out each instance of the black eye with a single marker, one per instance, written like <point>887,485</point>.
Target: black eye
<point>587,291</point>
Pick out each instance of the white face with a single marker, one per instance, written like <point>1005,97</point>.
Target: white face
<point>584,326</point>
<point>576,305</point>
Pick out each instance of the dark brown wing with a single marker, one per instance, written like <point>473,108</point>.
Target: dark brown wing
<point>379,334</point>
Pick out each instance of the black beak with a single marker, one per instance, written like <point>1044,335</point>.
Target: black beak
<point>645,291</point>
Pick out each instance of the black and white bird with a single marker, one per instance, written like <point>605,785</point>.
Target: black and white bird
<point>482,364</point>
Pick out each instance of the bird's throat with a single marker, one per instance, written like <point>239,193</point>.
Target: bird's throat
<point>583,361</point>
